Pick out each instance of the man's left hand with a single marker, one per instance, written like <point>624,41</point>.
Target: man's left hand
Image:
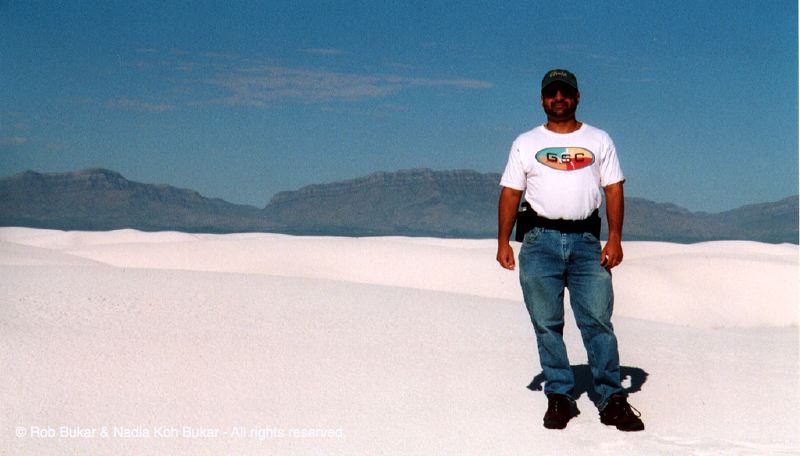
<point>611,255</point>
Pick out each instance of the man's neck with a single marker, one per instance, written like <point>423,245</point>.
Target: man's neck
<point>563,126</point>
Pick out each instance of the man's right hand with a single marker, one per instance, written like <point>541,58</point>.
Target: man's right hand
<point>506,215</point>
<point>505,256</point>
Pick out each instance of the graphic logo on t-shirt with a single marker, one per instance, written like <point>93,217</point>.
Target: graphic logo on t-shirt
<point>565,158</point>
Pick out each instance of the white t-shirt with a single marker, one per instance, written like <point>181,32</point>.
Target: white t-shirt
<point>562,173</point>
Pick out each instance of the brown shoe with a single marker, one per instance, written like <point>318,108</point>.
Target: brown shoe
<point>559,411</point>
<point>620,414</point>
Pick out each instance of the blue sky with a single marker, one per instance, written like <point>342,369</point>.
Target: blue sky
<point>240,100</point>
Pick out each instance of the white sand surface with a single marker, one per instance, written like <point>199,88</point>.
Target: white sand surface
<point>271,344</point>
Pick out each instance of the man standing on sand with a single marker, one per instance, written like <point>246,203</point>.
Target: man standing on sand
<point>561,167</point>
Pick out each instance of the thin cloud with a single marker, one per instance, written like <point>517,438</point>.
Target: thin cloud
<point>323,51</point>
<point>257,86</point>
<point>127,104</point>
<point>220,78</point>
<point>219,55</point>
<point>12,141</point>
<point>188,67</point>
<point>14,126</point>
<point>571,47</point>
<point>261,85</point>
<point>461,83</point>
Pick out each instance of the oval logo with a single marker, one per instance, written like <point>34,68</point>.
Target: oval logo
<point>565,158</point>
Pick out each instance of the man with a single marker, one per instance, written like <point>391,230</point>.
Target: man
<point>561,167</point>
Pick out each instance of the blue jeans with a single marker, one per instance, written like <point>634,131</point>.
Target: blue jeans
<point>549,261</point>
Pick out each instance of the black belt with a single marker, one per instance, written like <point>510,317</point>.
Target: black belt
<point>528,219</point>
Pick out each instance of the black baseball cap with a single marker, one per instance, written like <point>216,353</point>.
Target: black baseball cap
<point>559,75</point>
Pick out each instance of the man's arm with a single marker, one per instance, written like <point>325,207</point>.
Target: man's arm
<point>506,216</point>
<point>615,211</point>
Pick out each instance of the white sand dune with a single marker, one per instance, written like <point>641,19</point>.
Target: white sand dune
<point>176,343</point>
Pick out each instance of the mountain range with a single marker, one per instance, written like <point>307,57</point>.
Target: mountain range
<point>416,202</point>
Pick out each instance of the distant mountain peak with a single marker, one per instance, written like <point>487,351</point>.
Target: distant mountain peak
<point>415,202</point>
<point>385,179</point>
<point>102,199</point>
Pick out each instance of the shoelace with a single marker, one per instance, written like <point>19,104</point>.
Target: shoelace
<point>631,410</point>
<point>628,409</point>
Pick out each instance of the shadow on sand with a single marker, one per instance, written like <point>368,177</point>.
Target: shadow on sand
<point>584,381</point>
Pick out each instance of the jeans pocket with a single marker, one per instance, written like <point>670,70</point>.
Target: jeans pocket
<point>531,235</point>
<point>590,237</point>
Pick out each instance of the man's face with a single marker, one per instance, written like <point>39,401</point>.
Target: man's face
<point>560,100</point>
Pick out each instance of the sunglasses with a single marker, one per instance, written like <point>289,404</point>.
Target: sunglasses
<point>566,91</point>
